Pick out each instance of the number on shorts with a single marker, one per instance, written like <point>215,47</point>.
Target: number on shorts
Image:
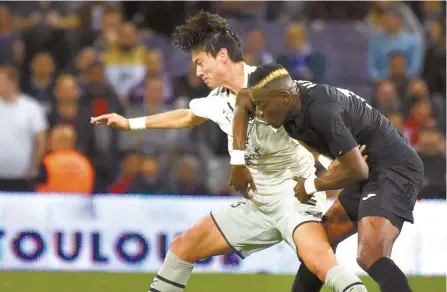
<point>235,205</point>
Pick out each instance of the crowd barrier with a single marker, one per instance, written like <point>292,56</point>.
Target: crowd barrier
<point>132,234</point>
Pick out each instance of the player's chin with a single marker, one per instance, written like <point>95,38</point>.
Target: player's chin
<point>273,124</point>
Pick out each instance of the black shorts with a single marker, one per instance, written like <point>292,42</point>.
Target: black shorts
<point>390,192</point>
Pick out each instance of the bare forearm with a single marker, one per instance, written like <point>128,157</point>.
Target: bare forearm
<point>240,125</point>
<point>336,180</point>
<point>243,108</point>
<point>177,119</point>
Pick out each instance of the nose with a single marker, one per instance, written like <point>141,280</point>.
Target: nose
<point>199,72</point>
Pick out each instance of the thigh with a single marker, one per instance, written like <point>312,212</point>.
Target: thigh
<point>339,221</point>
<point>245,228</point>
<point>291,215</point>
<point>391,192</point>
<point>203,240</point>
<point>314,248</point>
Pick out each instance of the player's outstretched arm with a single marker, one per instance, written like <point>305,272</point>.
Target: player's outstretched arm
<point>240,176</point>
<point>176,119</point>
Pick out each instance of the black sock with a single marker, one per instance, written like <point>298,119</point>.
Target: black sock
<point>388,275</point>
<point>305,281</point>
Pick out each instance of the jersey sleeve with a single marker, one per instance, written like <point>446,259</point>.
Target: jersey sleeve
<point>204,107</point>
<point>200,106</point>
<point>327,120</point>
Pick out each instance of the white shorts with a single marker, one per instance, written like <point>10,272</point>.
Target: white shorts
<point>249,228</point>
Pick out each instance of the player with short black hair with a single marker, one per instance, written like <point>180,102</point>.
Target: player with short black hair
<point>379,195</point>
<point>272,214</point>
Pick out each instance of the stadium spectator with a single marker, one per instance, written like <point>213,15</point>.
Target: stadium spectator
<point>416,90</point>
<point>69,110</point>
<point>386,99</point>
<point>100,97</point>
<point>243,10</point>
<point>65,170</point>
<point>420,116</point>
<point>394,38</point>
<point>187,178</point>
<point>432,11</point>
<point>130,166</point>
<point>22,130</point>
<point>432,153</point>
<point>397,64</point>
<point>255,53</point>
<point>148,180</point>
<point>125,63</point>
<point>397,120</point>
<point>40,83</point>
<point>409,20</point>
<point>150,140</point>
<point>296,57</point>
<point>435,64</point>
<point>154,69</point>
<point>189,86</point>
<point>11,45</point>
<point>48,26</point>
<point>111,24</point>
<point>82,65</point>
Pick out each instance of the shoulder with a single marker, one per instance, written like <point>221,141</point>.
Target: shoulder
<point>30,103</point>
<point>219,92</point>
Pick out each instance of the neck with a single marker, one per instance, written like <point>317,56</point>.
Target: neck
<point>42,80</point>
<point>152,106</point>
<point>393,33</point>
<point>11,97</point>
<point>235,77</point>
<point>295,108</point>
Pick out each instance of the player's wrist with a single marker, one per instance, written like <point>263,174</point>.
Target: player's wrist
<point>137,123</point>
<point>237,157</point>
<point>324,161</point>
<point>309,186</point>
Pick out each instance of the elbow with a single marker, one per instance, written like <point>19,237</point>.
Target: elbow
<point>362,173</point>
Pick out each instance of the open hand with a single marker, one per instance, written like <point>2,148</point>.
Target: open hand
<point>112,120</point>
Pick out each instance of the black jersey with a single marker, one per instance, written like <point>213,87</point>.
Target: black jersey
<point>335,120</point>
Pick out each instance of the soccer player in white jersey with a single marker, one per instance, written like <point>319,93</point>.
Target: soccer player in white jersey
<point>272,213</point>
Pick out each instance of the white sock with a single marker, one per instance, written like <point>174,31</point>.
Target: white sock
<point>173,275</point>
<point>340,280</point>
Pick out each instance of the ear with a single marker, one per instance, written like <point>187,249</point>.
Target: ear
<point>222,55</point>
<point>285,96</point>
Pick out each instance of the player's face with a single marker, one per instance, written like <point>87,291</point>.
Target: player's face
<point>211,70</point>
<point>272,106</point>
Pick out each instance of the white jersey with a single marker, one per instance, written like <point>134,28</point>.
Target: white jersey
<point>271,155</point>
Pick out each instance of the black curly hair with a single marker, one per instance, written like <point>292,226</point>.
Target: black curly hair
<point>208,32</point>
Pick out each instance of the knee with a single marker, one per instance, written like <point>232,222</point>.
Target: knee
<point>183,246</point>
<point>319,260</point>
<point>368,254</point>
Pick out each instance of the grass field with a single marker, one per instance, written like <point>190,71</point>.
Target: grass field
<point>115,282</point>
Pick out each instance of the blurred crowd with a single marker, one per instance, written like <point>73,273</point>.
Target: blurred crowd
<point>63,62</point>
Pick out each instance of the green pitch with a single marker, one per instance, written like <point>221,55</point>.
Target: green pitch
<point>115,282</point>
